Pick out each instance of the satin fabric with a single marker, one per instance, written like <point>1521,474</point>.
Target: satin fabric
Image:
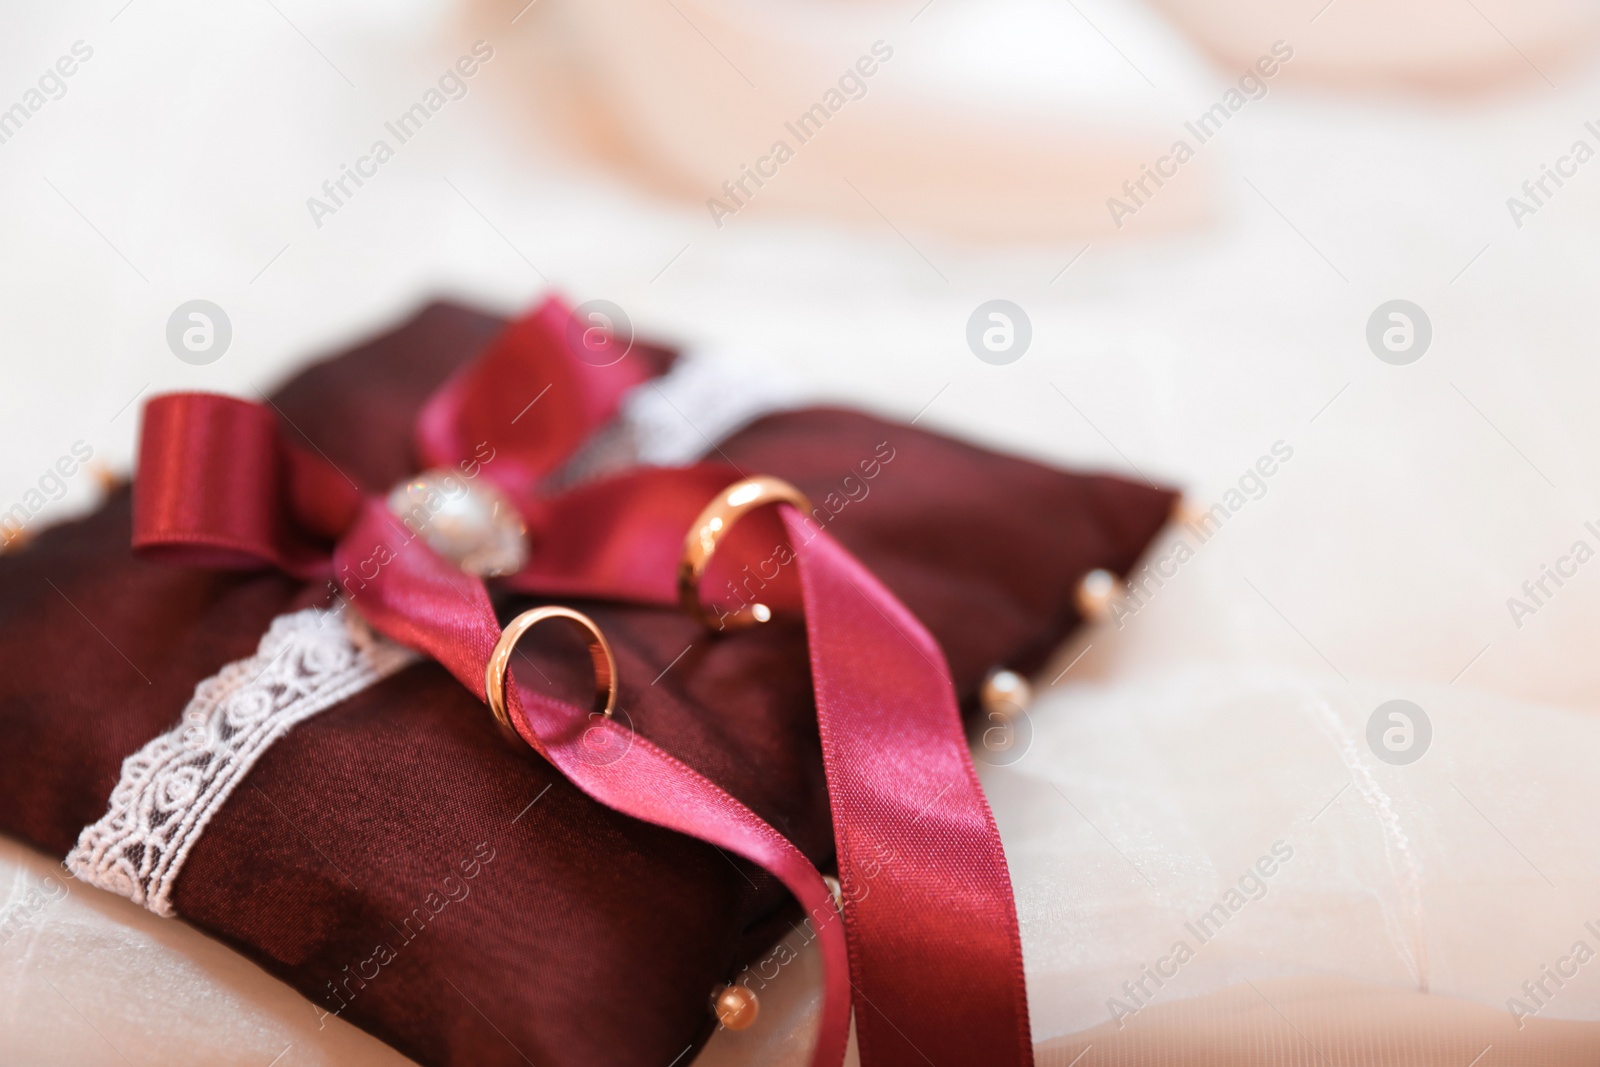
<point>926,888</point>
<point>620,539</point>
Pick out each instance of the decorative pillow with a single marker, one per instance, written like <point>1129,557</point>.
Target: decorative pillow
<point>218,747</point>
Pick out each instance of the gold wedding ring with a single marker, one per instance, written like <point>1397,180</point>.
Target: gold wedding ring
<point>727,508</point>
<point>494,676</point>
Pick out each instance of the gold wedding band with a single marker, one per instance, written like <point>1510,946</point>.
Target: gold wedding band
<point>494,676</point>
<point>727,508</point>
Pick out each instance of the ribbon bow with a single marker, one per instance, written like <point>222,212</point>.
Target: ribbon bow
<point>930,956</point>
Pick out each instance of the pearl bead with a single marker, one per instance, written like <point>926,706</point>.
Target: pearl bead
<point>1098,590</point>
<point>1005,693</point>
<point>467,521</point>
<point>737,1007</point>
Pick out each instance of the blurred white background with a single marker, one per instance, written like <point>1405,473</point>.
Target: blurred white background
<point>179,162</point>
<point>1227,316</point>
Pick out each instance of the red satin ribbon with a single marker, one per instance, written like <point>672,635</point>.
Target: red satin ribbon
<point>934,957</point>
<point>934,948</point>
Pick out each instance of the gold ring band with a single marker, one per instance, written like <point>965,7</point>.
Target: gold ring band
<point>725,509</point>
<point>494,675</point>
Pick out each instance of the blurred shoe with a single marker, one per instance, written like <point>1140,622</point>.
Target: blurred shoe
<point>1014,120</point>
<point>1439,45</point>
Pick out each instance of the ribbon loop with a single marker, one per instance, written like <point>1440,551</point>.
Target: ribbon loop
<point>218,487</point>
<point>533,398</point>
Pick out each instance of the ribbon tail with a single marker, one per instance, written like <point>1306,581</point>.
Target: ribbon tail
<point>490,402</point>
<point>417,598</point>
<point>934,946</point>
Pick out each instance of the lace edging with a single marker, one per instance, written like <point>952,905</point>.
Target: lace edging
<point>674,419</point>
<point>168,791</point>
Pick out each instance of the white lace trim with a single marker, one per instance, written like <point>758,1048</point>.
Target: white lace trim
<point>675,419</point>
<point>307,662</point>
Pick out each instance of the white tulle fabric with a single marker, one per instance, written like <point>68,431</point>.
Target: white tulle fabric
<point>1141,806</point>
<point>168,790</point>
<point>674,419</point>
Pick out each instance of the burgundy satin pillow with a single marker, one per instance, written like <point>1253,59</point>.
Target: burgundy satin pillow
<point>583,936</point>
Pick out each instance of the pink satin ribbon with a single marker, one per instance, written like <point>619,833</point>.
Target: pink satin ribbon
<point>928,902</point>
<point>929,952</point>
